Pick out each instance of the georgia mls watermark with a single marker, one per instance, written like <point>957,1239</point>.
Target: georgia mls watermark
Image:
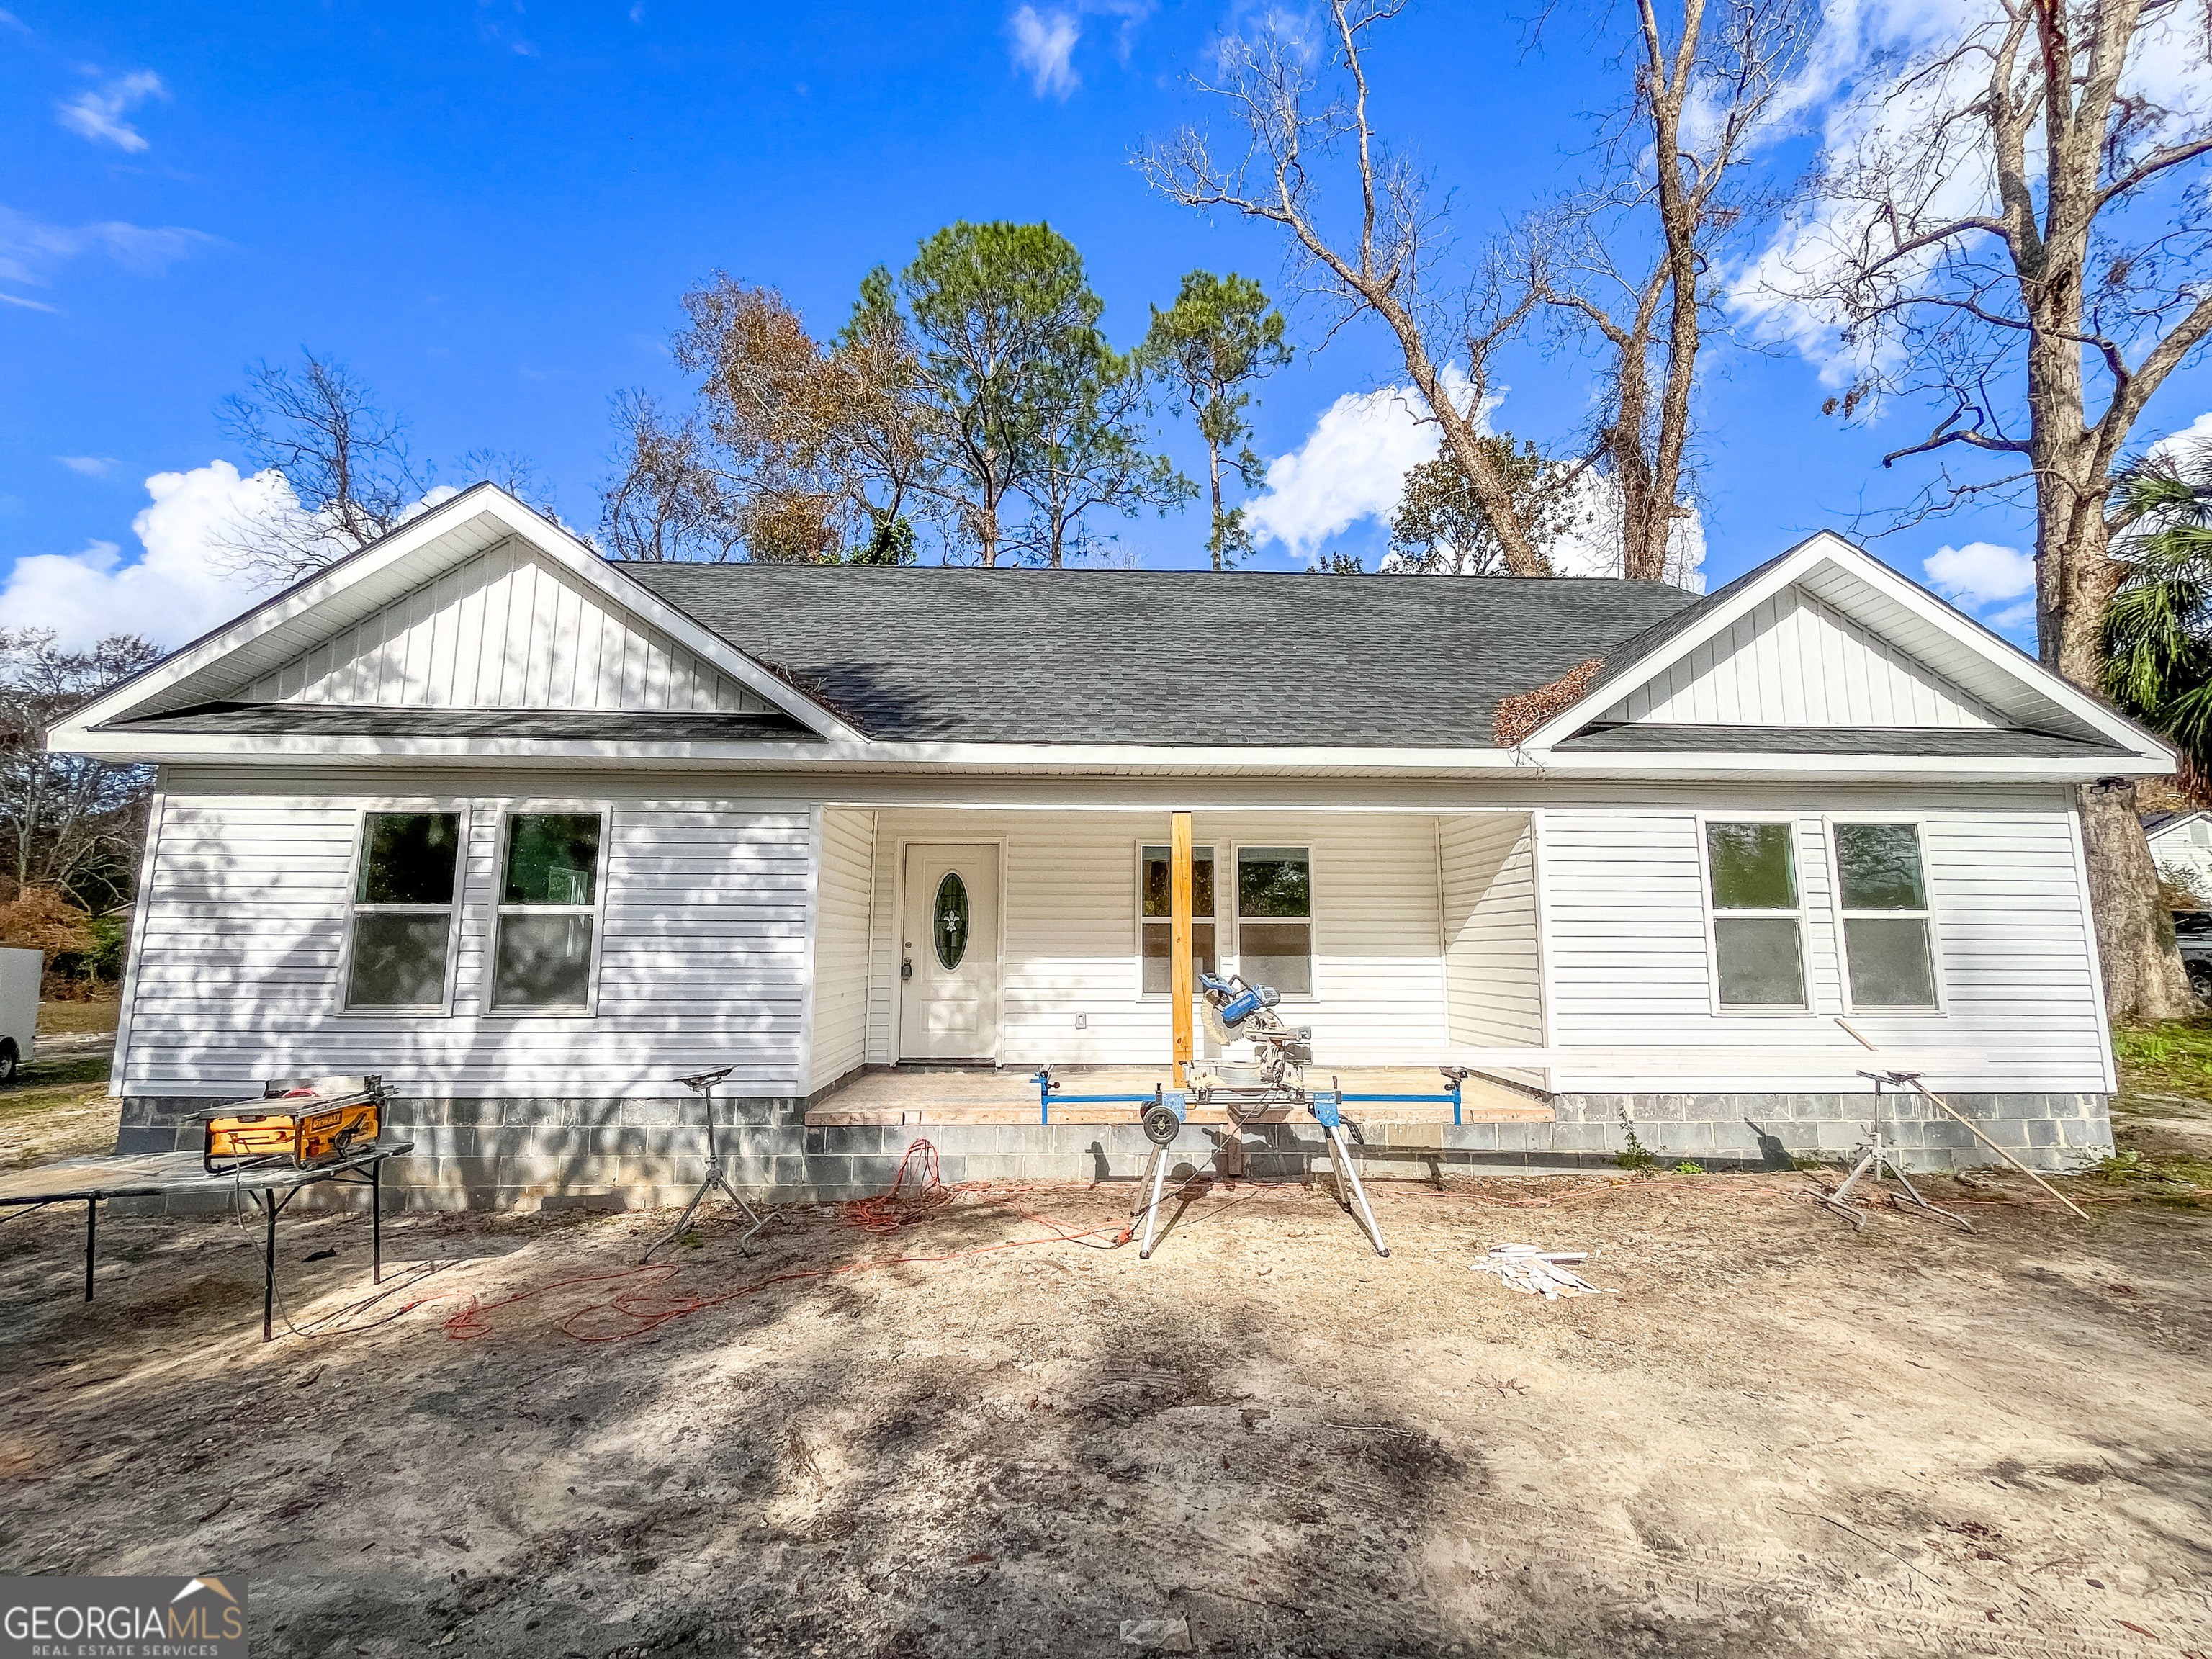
<point>122,1618</point>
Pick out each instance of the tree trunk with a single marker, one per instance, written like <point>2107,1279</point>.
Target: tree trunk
<point>2144,979</point>
<point>1213,460</point>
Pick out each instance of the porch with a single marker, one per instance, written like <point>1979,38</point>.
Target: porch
<point>985,943</point>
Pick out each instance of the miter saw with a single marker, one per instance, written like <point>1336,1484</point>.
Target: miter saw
<point>1271,1075</point>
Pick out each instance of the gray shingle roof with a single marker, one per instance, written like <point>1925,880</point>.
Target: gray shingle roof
<point>1655,739</point>
<point>327,720</point>
<point>1161,657</point>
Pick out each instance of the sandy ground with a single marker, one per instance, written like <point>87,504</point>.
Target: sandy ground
<point>1782,1436</point>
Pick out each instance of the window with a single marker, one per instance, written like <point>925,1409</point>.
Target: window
<point>1157,929</point>
<point>403,910</point>
<point>1274,918</point>
<point>1753,870</point>
<point>548,898</point>
<point>949,929</point>
<point>1885,903</point>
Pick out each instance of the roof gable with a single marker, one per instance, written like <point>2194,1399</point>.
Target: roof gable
<point>508,627</point>
<point>1826,637</point>
<point>557,627</point>
<point>1792,659</point>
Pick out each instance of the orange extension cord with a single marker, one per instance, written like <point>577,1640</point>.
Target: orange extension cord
<point>636,1306</point>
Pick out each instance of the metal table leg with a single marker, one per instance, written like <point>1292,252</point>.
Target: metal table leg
<point>268,1201</point>
<point>376,1222</point>
<point>91,1227</point>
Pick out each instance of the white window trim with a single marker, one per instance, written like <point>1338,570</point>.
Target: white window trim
<point>1942,1008</point>
<point>442,1009</point>
<point>1807,1010</point>
<point>1222,956</point>
<point>508,813</point>
<point>1311,918</point>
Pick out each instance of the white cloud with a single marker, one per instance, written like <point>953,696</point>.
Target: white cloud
<point>97,113</point>
<point>1354,466</point>
<point>1878,90</point>
<point>2176,445</point>
<point>31,249</point>
<point>90,466</point>
<point>1981,574</point>
<point>1043,48</point>
<point>1351,467</point>
<point>1043,43</point>
<point>178,588</point>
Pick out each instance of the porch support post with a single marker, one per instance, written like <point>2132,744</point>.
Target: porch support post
<point>1180,988</point>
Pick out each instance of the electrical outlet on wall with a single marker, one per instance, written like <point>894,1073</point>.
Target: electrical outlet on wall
<point>1083,1022</point>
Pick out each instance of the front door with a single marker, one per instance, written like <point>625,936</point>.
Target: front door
<point>949,955</point>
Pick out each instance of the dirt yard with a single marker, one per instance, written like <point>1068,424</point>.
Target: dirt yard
<point>1781,1437</point>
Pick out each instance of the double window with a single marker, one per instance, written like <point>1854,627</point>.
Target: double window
<point>403,911</point>
<point>1881,894</point>
<point>548,912</point>
<point>1156,942</point>
<point>1757,932</point>
<point>1889,957</point>
<point>406,906</point>
<point>1272,916</point>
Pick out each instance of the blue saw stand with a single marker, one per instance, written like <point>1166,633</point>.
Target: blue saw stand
<point>1164,1121</point>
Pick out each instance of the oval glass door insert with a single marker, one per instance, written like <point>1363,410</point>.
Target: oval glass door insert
<point>951,911</point>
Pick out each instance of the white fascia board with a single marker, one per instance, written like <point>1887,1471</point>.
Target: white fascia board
<point>186,748</point>
<point>74,733</point>
<point>1828,547</point>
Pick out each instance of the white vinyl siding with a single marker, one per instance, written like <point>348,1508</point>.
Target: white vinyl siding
<point>1628,963</point>
<point>1492,979</point>
<point>506,628</point>
<point>1795,661</point>
<point>1070,927</point>
<point>240,946</point>
<point>841,946</point>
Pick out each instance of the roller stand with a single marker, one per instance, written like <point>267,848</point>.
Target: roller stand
<point>714,1179</point>
<point>1877,1159</point>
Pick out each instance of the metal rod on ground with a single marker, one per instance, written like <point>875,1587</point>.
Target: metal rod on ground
<point>1974,1130</point>
<point>91,1228</point>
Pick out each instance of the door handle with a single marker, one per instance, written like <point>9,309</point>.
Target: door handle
<point>906,968</point>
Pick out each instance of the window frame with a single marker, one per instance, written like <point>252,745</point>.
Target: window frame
<point>1941,1007</point>
<point>1312,916</point>
<point>1808,1009</point>
<point>499,911</point>
<point>442,1009</point>
<point>1222,958</point>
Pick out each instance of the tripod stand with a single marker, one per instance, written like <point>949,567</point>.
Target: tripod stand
<point>1878,1157</point>
<point>703,1085</point>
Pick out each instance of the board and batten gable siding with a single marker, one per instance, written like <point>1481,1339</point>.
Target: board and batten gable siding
<point>841,946</point>
<point>1795,661</point>
<point>1070,925</point>
<point>1493,977</point>
<point>1628,950</point>
<point>507,629</point>
<point>242,935</point>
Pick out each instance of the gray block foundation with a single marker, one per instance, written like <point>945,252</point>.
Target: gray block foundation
<point>485,1154</point>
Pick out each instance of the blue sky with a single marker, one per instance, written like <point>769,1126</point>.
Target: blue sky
<point>489,210</point>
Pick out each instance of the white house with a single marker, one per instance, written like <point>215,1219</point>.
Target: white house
<point>2181,842</point>
<point>531,835</point>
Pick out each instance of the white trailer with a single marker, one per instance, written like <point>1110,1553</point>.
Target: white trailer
<point>21,970</point>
